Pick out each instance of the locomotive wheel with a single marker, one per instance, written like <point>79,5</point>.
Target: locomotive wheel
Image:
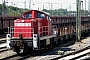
<point>17,49</point>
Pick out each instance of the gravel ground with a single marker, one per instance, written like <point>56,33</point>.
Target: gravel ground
<point>6,54</point>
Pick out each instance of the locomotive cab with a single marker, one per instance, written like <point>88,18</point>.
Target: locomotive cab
<point>31,31</point>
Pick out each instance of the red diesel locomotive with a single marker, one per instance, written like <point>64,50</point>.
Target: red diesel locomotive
<point>31,32</point>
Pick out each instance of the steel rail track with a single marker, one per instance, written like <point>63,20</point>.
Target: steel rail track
<point>2,47</point>
<point>74,53</point>
<point>2,41</point>
<point>84,58</point>
<point>3,50</point>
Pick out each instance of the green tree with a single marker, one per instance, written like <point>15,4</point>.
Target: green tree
<point>4,8</point>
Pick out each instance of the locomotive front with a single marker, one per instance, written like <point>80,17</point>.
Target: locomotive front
<point>20,36</point>
<point>32,32</point>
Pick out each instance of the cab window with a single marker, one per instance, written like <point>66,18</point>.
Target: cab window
<point>28,15</point>
<point>40,15</point>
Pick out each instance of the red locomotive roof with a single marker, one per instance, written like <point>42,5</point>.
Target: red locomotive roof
<point>36,11</point>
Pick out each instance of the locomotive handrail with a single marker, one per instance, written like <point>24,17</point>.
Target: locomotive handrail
<point>40,32</point>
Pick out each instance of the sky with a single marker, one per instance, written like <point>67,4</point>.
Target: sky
<point>46,4</point>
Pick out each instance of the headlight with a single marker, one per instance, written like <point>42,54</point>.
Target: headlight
<point>34,38</point>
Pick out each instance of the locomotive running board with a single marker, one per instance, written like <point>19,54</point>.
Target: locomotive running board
<point>46,37</point>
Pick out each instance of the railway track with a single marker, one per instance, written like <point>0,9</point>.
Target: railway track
<point>75,55</point>
<point>5,52</point>
<point>23,56</point>
<point>84,58</point>
<point>3,49</point>
<point>2,40</point>
<point>47,56</point>
<point>26,56</point>
<point>3,45</point>
<point>44,52</point>
<point>10,55</point>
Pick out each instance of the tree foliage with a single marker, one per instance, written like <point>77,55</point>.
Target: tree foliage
<point>4,8</point>
<point>11,11</point>
<point>15,11</point>
<point>64,12</point>
<point>57,12</point>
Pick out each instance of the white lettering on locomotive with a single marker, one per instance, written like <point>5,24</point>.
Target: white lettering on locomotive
<point>22,24</point>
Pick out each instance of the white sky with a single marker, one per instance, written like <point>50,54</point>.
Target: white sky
<point>56,4</point>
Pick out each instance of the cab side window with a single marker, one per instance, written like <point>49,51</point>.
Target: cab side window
<point>40,15</point>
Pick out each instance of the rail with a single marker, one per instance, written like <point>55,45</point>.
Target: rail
<point>74,55</point>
